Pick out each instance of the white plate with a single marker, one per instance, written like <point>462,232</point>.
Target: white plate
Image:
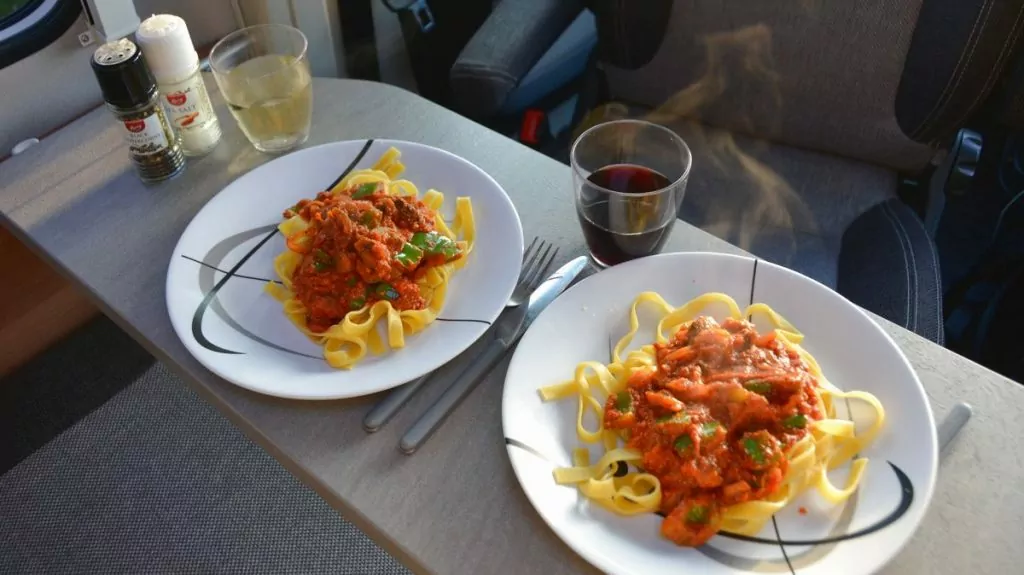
<point>853,352</point>
<point>240,333</point>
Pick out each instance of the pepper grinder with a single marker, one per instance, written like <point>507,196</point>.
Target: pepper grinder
<point>131,94</point>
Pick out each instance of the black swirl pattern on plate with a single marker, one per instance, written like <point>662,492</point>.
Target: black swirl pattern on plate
<point>747,563</point>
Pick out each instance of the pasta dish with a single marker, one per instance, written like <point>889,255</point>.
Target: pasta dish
<point>369,249</point>
<point>715,426</point>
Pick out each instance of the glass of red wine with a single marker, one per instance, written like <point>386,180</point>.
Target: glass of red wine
<point>629,176</point>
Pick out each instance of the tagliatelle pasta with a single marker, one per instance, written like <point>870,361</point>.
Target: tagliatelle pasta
<point>370,250</point>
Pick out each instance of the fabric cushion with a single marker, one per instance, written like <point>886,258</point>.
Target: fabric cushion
<point>504,49</point>
<point>888,265</point>
<point>958,52</point>
<point>784,204</point>
<point>813,74</point>
<point>564,61</point>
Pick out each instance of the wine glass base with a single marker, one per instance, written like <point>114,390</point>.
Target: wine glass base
<point>597,263</point>
<point>280,145</point>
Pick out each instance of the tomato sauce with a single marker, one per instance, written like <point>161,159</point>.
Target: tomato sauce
<point>714,419</point>
<point>362,246</point>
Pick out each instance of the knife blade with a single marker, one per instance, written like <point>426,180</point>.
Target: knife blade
<point>507,332</point>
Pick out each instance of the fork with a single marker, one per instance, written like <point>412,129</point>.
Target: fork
<point>531,274</point>
<point>506,334</point>
<point>389,406</point>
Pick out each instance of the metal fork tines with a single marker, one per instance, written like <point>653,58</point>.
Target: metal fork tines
<point>532,271</point>
<point>381,413</point>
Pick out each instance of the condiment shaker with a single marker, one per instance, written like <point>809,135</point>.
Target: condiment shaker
<point>130,92</point>
<point>167,48</point>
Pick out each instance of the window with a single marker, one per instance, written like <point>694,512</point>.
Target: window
<point>27,26</point>
<point>12,8</point>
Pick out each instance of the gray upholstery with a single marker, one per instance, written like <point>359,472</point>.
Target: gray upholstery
<point>872,87</point>
<point>815,74</point>
<point>565,60</point>
<point>156,481</point>
<point>957,55</point>
<point>889,241</point>
<point>784,204</point>
<point>504,49</point>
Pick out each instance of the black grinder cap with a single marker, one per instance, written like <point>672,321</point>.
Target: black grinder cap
<point>123,76</point>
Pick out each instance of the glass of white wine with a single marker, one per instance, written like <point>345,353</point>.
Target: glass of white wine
<point>263,72</point>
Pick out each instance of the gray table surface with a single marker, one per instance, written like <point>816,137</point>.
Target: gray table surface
<point>455,506</point>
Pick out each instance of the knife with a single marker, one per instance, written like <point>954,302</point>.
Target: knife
<point>388,407</point>
<point>507,332</point>
<point>392,402</point>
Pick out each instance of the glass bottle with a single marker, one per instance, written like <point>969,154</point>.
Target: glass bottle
<point>167,48</point>
<point>131,94</point>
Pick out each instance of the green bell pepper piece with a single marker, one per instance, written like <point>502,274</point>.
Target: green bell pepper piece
<point>683,443</point>
<point>677,417</point>
<point>624,402</point>
<point>433,243</point>
<point>409,256</point>
<point>697,514</point>
<point>708,428</point>
<point>364,190</point>
<point>322,261</point>
<point>386,291</point>
<point>798,421</point>
<point>754,449</point>
<point>758,386</point>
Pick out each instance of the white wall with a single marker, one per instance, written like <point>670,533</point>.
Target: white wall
<point>55,85</point>
<point>326,36</point>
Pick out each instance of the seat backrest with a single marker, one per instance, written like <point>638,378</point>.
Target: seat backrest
<point>833,76</point>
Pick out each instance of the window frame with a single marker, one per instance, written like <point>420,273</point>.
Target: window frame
<point>19,14</point>
<point>38,24</point>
